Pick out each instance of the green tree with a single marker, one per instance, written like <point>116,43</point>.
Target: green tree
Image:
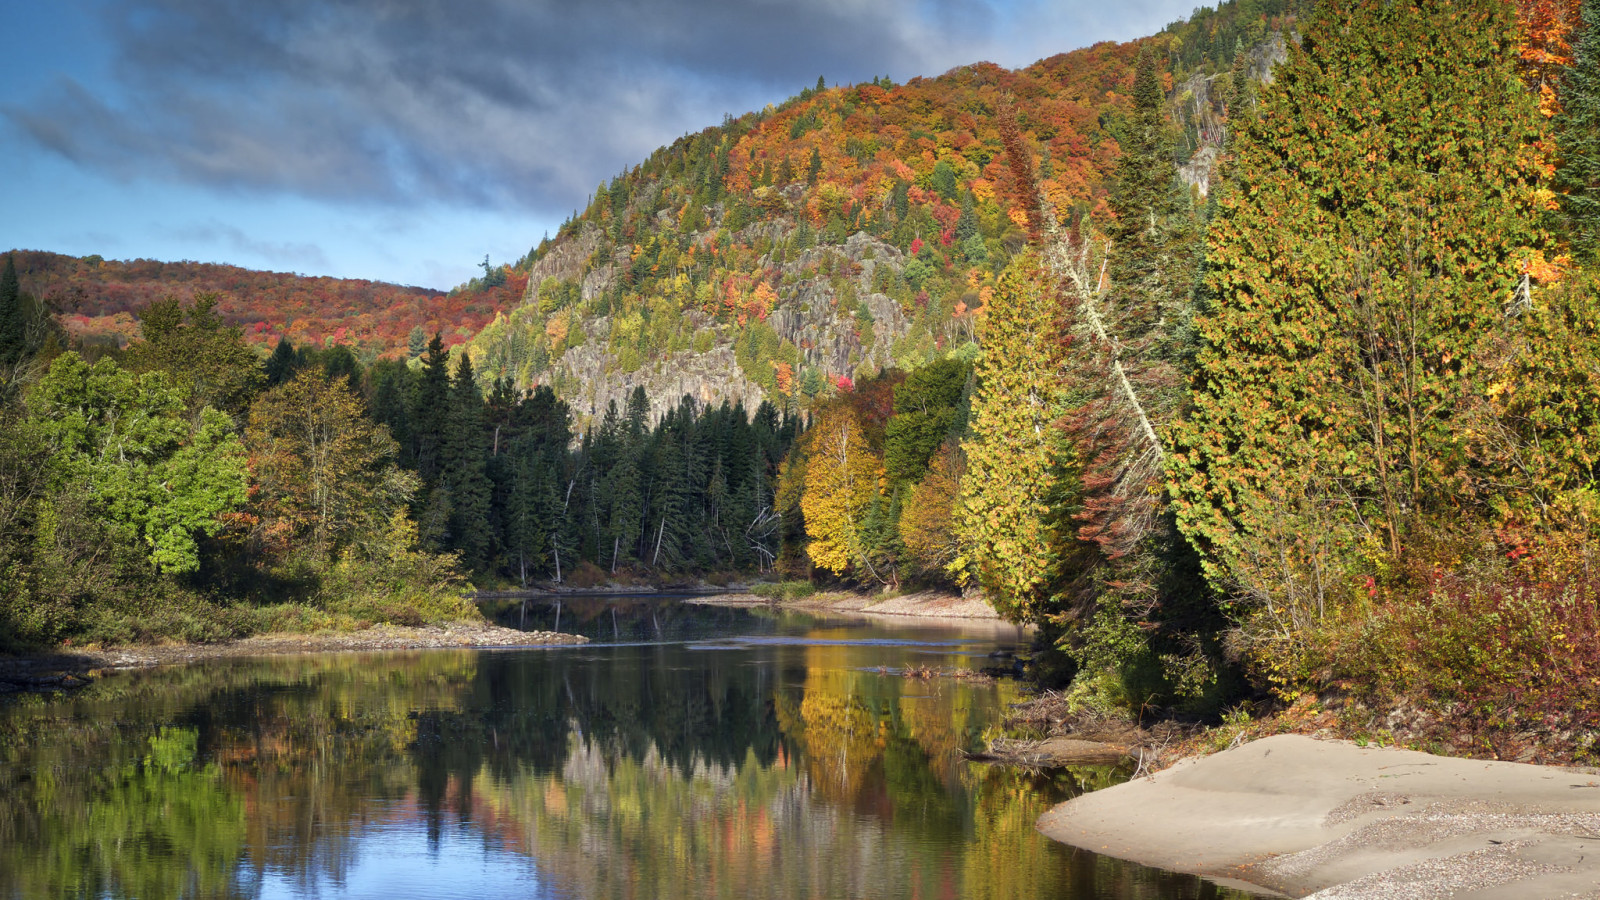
<point>1013,458</point>
<point>13,325</point>
<point>282,364</point>
<point>462,468</point>
<point>209,361</point>
<point>430,408</point>
<point>1577,131</point>
<point>1153,235</point>
<point>156,476</point>
<point>1362,262</point>
<point>927,411</point>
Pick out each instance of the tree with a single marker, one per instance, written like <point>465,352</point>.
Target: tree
<point>430,406</point>
<point>206,359</point>
<point>841,483</point>
<point>462,468</point>
<point>927,411</point>
<point>1013,459</point>
<point>1577,131</point>
<point>1363,263</point>
<point>282,364</point>
<point>13,324</point>
<point>156,476</point>
<point>1153,236</point>
<point>325,472</point>
<point>927,525</point>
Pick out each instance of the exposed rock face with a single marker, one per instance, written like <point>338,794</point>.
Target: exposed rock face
<point>1196,100</point>
<point>564,262</point>
<point>808,315</point>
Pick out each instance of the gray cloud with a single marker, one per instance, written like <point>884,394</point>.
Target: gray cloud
<point>512,104</point>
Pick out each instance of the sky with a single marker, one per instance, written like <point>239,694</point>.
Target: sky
<point>405,140</point>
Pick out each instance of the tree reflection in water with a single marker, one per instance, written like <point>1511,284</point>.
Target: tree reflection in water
<point>779,768</point>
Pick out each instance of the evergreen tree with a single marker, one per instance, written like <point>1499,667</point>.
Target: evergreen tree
<point>1006,521</point>
<point>13,321</point>
<point>1577,130</point>
<point>1362,262</point>
<point>283,362</point>
<point>462,469</point>
<point>430,404</point>
<point>1153,235</point>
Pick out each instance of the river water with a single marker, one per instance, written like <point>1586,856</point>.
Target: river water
<point>690,751</point>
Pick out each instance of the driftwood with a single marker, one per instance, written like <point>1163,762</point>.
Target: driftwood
<point>1051,753</point>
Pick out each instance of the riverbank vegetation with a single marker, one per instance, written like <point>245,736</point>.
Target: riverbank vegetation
<point>187,488</point>
<point>1330,430</point>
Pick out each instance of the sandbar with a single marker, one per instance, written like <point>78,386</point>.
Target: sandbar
<point>1295,816</point>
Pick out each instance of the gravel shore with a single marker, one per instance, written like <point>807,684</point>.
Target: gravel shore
<point>1294,816</point>
<point>72,668</point>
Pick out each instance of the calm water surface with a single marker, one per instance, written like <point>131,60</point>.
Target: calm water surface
<point>698,752</point>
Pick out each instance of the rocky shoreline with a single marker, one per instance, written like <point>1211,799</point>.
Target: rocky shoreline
<point>66,668</point>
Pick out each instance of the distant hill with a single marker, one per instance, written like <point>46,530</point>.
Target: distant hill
<point>98,300</point>
<point>848,229</point>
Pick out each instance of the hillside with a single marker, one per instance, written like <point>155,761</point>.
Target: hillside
<point>98,300</point>
<point>793,250</point>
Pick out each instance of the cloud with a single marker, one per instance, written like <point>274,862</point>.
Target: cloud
<point>514,105</point>
<point>492,103</point>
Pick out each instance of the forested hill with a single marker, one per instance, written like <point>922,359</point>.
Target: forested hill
<point>849,229</point>
<point>98,301</point>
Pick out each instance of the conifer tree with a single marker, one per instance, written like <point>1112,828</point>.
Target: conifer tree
<point>1577,129</point>
<point>1361,262</point>
<point>462,468</point>
<point>1006,520</point>
<point>1152,258</point>
<point>13,324</point>
<point>430,404</point>
<point>283,362</point>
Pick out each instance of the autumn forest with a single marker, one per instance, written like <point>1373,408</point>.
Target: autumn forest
<point>1253,359</point>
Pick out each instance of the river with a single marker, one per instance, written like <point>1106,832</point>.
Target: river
<point>690,751</point>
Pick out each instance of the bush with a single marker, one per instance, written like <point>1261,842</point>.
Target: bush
<point>1496,658</point>
<point>782,591</point>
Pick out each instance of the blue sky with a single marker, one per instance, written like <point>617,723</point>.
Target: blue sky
<point>403,140</point>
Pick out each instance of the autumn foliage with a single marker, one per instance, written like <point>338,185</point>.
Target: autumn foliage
<point>99,300</point>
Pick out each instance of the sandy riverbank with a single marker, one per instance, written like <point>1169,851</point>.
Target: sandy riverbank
<point>924,604</point>
<point>69,667</point>
<point>1303,817</point>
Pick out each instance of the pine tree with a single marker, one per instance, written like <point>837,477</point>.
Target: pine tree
<point>1577,129</point>
<point>462,469</point>
<point>13,321</point>
<point>1153,235</point>
<point>1361,262</point>
<point>430,404</point>
<point>283,362</point>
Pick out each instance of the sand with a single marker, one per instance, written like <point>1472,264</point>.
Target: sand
<point>1295,816</point>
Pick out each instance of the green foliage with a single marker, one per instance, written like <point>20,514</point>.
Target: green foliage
<point>783,591</point>
<point>207,360</point>
<point>1577,134</point>
<point>1007,522</point>
<point>13,327</point>
<point>1362,263</point>
<point>927,412</point>
<point>155,475</point>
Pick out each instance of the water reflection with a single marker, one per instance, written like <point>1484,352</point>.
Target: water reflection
<point>771,760</point>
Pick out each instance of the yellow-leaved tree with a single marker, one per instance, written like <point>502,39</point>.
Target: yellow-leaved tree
<point>843,476</point>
